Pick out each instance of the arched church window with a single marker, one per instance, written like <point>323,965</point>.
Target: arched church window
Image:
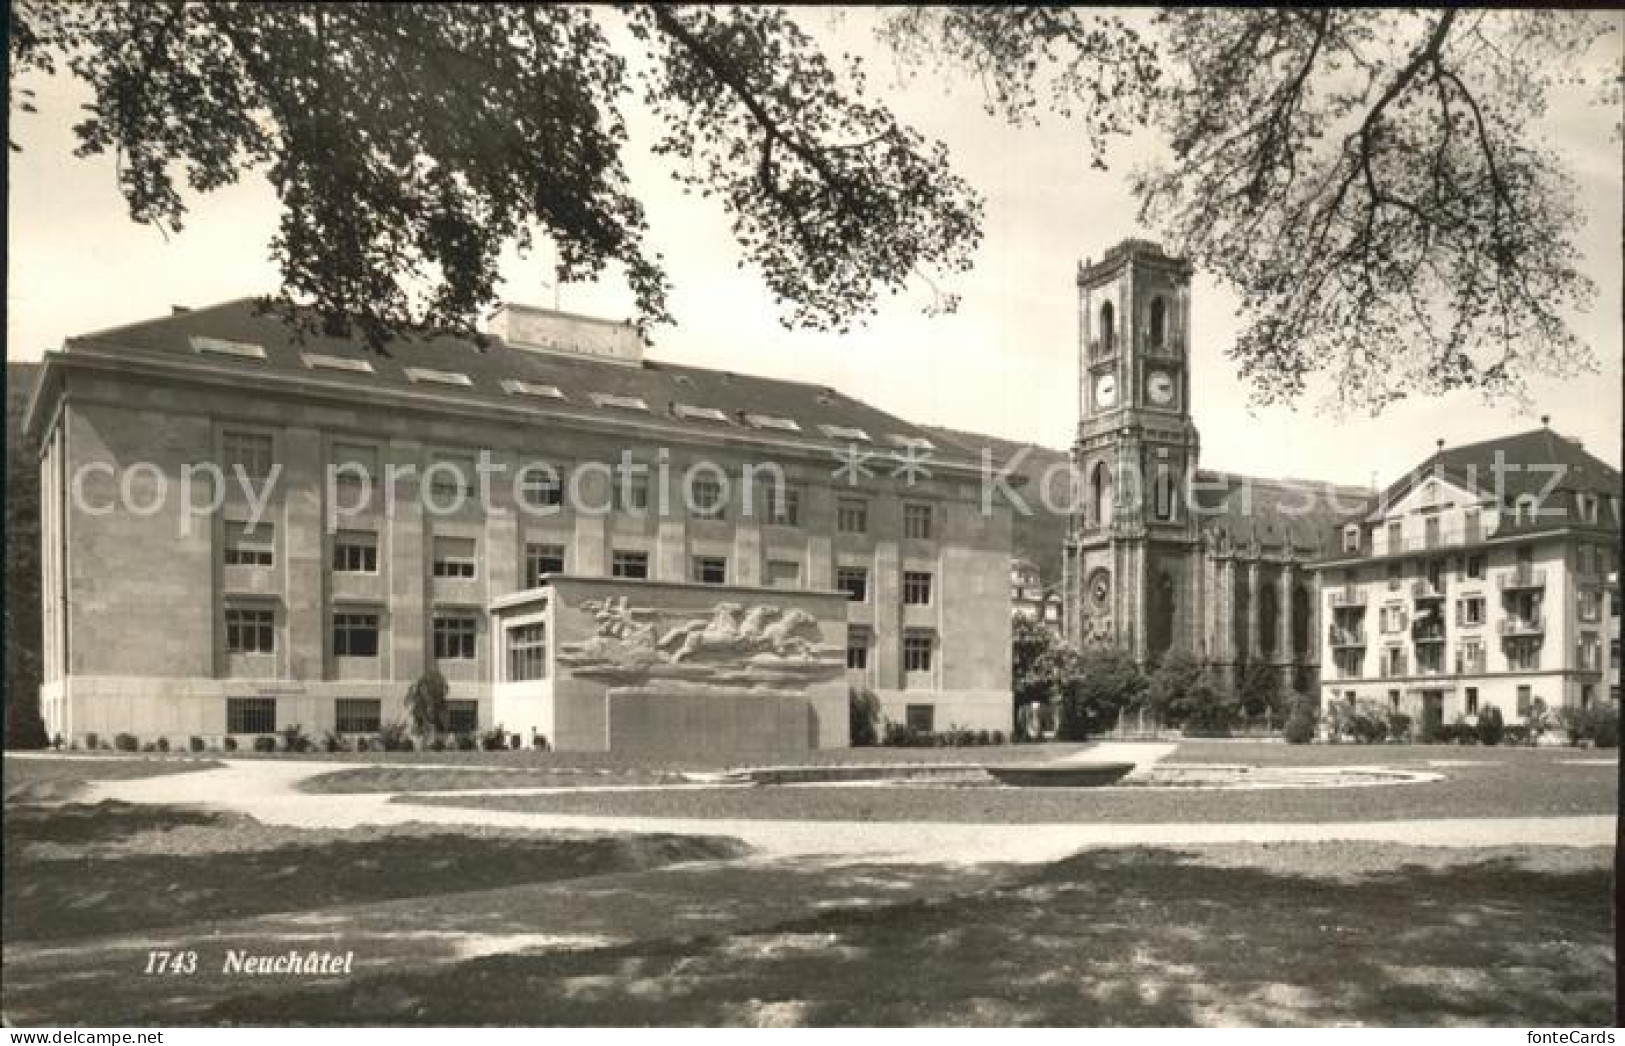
<point>1159,320</point>
<point>1108,329</point>
<point>1100,495</point>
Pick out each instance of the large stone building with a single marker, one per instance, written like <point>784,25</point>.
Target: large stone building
<point>1163,554</point>
<point>364,535</point>
<point>1488,575</point>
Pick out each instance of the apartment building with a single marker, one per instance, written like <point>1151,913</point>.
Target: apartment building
<point>1486,576</point>
<point>381,514</point>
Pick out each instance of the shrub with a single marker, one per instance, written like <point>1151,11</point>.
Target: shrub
<point>1516,734</point>
<point>537,741</point>
<point>392,737</point>
<point>229,744</point>
<point>901,735</point>
<point>1301,721</point>
<point>426,704</point>
<point>983,737</point>
<point>494,739</point>
<point>163,744</point>
<point>126,742</point>
<point>92,741</point>
<point>996,738</point>
<point>265,743</point>
<point>1399,726</point>
<point>465,742</point>
<point>147,746</point>
<point>362,744</point>
<point>294,739</point>
<point>333,741</point>
<point>863,714</point>
<point>1491,727</point>
<point>1605,725</point>
<point>437,745</point>
<point>195,744</point>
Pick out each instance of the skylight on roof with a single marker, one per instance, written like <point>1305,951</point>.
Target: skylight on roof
<point>844,432</point>
<point>605,399</point>
<point>911,442</point>
<point>437,377</point>
<point>530,388</point>
<point>684,410</point>
<point>769,421</point>
<point>242,350</point>
<point>321,361</point>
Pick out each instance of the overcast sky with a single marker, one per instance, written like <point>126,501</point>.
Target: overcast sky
<point>1004,364</point>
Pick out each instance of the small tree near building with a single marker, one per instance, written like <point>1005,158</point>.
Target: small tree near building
<point>427,707</point>
<point>1097,684</point>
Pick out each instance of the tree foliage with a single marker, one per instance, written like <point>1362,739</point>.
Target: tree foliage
<point>1099,682</point>
<point>426,705</point>
<point>1370,182</point>
<point>409,142</point>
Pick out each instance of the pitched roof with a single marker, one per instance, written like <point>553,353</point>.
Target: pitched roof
<point>1526,463</point>
<point>1273,512</point>
<point>585,383</point>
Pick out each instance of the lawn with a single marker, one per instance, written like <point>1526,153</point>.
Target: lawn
<point>1290,935</point>
<point>1477,782</point>
<point>54,780</point>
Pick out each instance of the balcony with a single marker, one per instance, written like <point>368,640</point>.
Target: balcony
<point>1520,579</point>
<point>1348,596</point>
<point>1427,667</point>
<point>1394,667</point>
<point>1523,626</point>
<point>1471,666</point>
<point>1346,636</point>
<point>1427,633</point>
<point>1425,590</point>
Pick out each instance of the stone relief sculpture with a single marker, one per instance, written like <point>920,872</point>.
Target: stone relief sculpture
<point>760,648</point>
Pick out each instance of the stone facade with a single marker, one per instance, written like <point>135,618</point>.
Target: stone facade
<point>1163,555</point>
<point>365,585</point>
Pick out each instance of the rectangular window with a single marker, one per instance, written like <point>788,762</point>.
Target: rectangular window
<point>355,552</point>
<point>527,652</point>
<point>249,548</point>
<point>1470,658</point>
<point>454,557</point>
<point>1590,604</point>
<point>250,631</point>
<point>250,715</point>
<point>462,717</point>
<point>917,653</point>
<point>1526,698</point>
<point>711,570</point>
<point>1613,654</point>
<point>1396,537</point>
<point>854,581</point>
<point>922,719</point>
<point>1475,568</point>
<point>631,492</point>
<point>1351,539</point>
<point>708,502</point>
<point>1590,651</point>
<point>541,487</point>
<point>783,573</point>
<point>852,516</point>
<point>917,521</point>
<point>253,452</point>
<point>1396,574</point>
<point>450,476</point>
<point>1349,662</point>
<point>784,506</point>
<point>629,564</point>
<point>857,650</point>
<point>355,463</point>
<point>916,588</point>
<point>358,715</point>
<point>1523,654</point>
<point>1472,700</point>
<point>1470,611</point>
<point>454,637</point>
<point>542,559</point>
<point>355,635</point>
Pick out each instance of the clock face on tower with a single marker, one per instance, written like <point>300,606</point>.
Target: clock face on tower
<point>1159,386</point>
<point>1106,390</point>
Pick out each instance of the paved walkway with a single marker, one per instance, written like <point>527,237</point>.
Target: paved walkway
<point>268,791</point>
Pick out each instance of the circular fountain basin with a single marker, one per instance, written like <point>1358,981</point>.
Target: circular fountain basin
<point>1061,775</point>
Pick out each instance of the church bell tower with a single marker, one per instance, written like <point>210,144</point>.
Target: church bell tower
<point>1132,556</point>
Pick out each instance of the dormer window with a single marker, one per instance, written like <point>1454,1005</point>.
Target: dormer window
<point>322,361</point>
<point>421,375</point>
<point>693,413</point>
<point>1587,505</point>
<point>769,421</point>
<point>1527,509</point>
<point>911,442</point>
<point>845,432</point>
<point>241,350</point>
<point>605,399</point>
<point>528,388</point>
<point>1351,538</point>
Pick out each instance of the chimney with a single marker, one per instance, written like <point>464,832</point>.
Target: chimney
<point>1545,421</point>
<point>536,329</point>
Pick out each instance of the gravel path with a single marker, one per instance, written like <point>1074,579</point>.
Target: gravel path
<point>268,791</point>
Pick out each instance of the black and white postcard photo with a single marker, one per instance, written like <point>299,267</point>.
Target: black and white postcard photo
<point>651,516</point>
